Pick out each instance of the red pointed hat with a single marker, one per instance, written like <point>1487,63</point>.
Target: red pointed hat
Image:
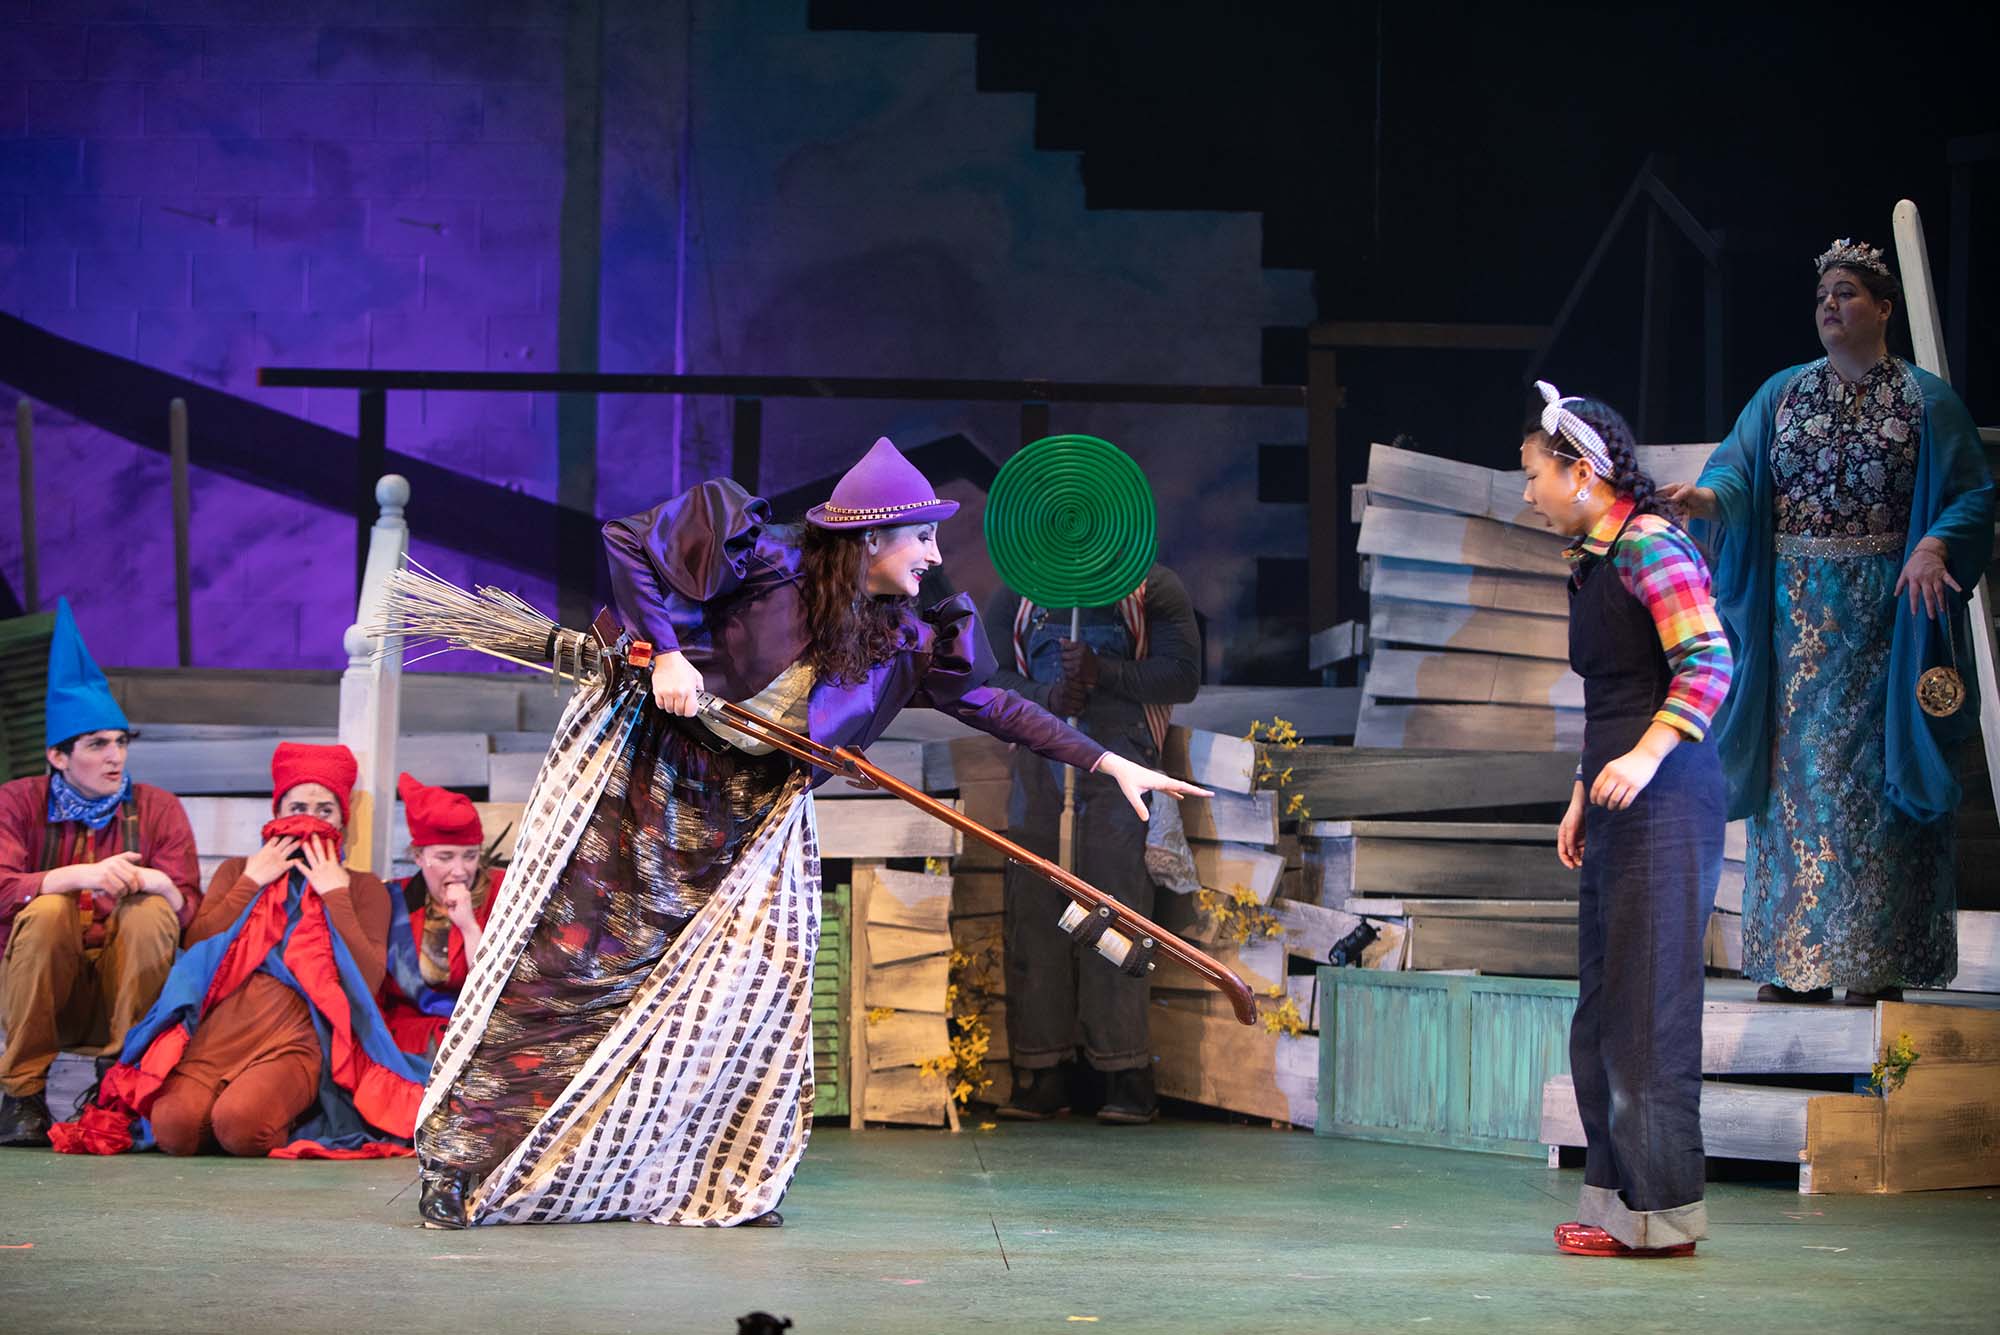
<point>438,815</point>
<point>884,488</point>
<point>294,763</point>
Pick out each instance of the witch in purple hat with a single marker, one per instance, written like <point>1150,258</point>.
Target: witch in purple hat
<point>635,1039</point>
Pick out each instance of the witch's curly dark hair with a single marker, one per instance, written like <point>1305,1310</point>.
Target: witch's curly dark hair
<point>849,631</point>
<point>1627,477</point>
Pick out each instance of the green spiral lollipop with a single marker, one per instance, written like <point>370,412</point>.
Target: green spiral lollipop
<point>1070,522</point>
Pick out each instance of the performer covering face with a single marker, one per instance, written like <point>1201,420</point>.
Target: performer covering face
<point>634,1041</point>
<point>1645,824</point>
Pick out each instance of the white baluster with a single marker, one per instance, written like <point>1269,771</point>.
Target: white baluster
<point>371,688</point>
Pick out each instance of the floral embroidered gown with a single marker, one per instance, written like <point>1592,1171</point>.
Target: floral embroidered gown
<point>1843,889</point>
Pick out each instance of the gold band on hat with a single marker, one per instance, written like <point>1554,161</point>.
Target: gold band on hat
<point>847,516</point>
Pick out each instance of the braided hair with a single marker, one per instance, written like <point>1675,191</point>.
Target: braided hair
<point>1628,478</point>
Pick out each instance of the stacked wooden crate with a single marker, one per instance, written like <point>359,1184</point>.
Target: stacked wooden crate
<point>976,769</point>
<point>897,1015</point>
<point>1203,1054</point>
<point>1467,611</point>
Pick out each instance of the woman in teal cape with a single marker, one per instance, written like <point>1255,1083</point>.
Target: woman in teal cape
<point>1850,514</point>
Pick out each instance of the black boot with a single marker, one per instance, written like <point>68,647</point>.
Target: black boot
<point>24,1121</point>
<point>1039,1094</point>
<point>443,1201</point>
<point>1128,1097</point>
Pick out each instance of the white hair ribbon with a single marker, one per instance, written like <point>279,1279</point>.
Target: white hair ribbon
<point>1560,422</point>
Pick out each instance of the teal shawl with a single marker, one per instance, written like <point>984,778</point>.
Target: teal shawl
<point>1953,502</point>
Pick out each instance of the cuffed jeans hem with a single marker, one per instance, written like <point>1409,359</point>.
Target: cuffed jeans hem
<point>1121,1061</point>
<point>1048,1060</point>
<point>1602,1207</point>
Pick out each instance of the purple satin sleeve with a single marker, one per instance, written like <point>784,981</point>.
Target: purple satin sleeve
<point>961,661</point>
<point>666,562</point>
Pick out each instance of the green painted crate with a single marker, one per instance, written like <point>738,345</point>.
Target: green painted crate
<point>829,1003</point>
<point>1440,1059</point>
<point>24,677</point>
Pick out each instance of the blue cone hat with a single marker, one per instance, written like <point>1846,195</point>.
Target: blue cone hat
<point>79,698</point>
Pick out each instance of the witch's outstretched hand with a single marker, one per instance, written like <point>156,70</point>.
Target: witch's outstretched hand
<point>1135,781</point>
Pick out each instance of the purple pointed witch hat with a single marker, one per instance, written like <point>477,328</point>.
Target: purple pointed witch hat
<point>883,489</point>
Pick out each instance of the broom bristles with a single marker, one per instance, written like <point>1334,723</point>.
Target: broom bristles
<point>422,607</point>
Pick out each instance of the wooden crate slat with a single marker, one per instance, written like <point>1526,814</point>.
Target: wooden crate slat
<point>1470,728</point>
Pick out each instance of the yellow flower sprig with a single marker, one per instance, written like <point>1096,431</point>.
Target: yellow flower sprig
<point>1887,1076</point>
<point>963,1065</point>
<point>1281,736</point>
<point>1237,915</point>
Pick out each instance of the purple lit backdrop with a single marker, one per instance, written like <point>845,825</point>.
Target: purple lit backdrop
<point>380,184</point>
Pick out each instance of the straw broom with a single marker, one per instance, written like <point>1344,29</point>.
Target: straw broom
<point>423,608</point>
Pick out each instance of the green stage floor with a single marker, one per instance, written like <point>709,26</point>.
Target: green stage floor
<point>1056,1227</point>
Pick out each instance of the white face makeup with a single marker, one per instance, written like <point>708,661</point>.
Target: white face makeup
<point>898,557</point>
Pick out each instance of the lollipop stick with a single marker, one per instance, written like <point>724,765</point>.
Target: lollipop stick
<point>1066,830</point>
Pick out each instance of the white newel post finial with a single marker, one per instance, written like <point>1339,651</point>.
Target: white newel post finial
<point>371,688</point>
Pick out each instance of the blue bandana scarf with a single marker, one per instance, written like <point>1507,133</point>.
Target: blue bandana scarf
<point>67,804</point>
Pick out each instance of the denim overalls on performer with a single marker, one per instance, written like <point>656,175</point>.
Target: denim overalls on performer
<point>1648,885</point>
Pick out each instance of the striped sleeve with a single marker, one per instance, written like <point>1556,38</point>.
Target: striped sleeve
<point>1661,567</point>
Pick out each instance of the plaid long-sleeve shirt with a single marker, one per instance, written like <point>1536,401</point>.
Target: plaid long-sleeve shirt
<point>1661,567</point>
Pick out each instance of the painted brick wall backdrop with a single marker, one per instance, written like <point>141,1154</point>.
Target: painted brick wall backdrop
<point>380,183</point>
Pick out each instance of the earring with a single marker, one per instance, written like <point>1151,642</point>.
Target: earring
<point>1583,492</point>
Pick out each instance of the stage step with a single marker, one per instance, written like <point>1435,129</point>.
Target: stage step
<point>1737,1121</point>
<point>1932,1130</point>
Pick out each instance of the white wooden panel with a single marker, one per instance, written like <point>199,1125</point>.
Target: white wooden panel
<point>910,899</point>
<point>1441,625</point>
<point>1427,582</point>
<point>1461,487</point>
<point>1232,818</point>
<point>861,828</point>
<point>1211,759</point>
<point>1470,678</point>
<point>1470,728</point>
<point>1227,866</point>
<point>1454,540</point>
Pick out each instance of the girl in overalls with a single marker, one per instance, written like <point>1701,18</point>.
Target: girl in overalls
<point>1645,824</point>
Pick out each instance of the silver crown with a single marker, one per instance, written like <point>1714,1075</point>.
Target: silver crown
<point>1847,253</point>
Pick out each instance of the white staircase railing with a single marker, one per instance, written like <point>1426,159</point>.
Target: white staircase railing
<point>371,689</point>
<point>1927,337</point>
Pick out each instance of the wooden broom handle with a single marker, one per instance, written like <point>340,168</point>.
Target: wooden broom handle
<point>855,765</point>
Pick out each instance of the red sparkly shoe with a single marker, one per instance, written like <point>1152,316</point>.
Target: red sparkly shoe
<point>1590,1240</point>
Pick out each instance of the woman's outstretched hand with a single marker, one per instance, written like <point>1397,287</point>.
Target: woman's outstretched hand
<point>1696,502</point>
<point>1135,781</point>
<point>676,684</point>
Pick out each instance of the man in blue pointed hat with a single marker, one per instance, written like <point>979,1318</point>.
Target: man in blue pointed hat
<point>97,883</point>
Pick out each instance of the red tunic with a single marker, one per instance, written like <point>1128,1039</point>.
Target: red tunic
<point>413,1030</point>
<point>165,842</point>
<point>264,1020</point>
